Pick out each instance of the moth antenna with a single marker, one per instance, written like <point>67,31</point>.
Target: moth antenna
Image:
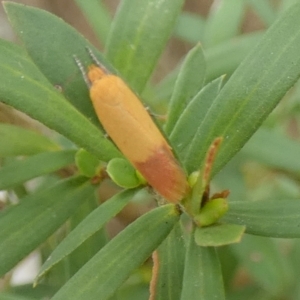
<point>95,60</point>
<point>82,70</point>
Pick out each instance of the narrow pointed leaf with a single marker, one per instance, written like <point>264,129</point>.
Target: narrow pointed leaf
<point>138,36</point>
<point>31,142</point>
<point>190,27</point>
<point>103,274</point>
<point>167,275</point>
<point>25,88</point>
<point>224,58</point>
<point>87,249</point>
<point>89,226</point>
<point>27,225</point>
<point>266,218</point>
<point>265,10</point>
<point>98,16</point>
<point>185,130</point>
<point>221,59</point>
<point>20,171</point>
<point>228,12</point>
<point>202,274</point>
<point>38,29</point>
<point>189,82</point>
<point>252,92</point>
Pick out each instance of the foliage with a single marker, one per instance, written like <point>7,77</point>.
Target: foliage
<point>223,131</point>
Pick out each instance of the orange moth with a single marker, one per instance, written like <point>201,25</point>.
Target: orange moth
<point>131,128</point>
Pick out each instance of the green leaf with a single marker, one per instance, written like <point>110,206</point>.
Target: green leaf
<point>228,12</point>
<point>9,296</point>
<point>20,171</point>
<point>202,274</point>
<point>190,27</point>
<point>139,33</point>
<point>51,44</point>
<point>294,254</point>
<point>252,92</point>
<point>224,58</point>
<point>41,292</point>
<point>267,218</point>
<point>85,251</point>
<point>168,267</point>
<point>36,97</point>
<point>274,150</point>
<point>87,164</point>
<point>189,82</point>
<point>264,261</point>
<point>286,4</point>
<point>28,224</point>
<point>219,235</point>
<point>265,10</point>
<point>97,15</point>
<point>230,266</point>
<point>220,59</point>
<point>31,142</point>
<point>89,226</point>
<point>123,173</point>
<point>185,130</point>
<point>103,274</point>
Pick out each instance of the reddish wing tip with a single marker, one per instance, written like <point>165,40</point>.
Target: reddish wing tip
<point>164,174</point>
